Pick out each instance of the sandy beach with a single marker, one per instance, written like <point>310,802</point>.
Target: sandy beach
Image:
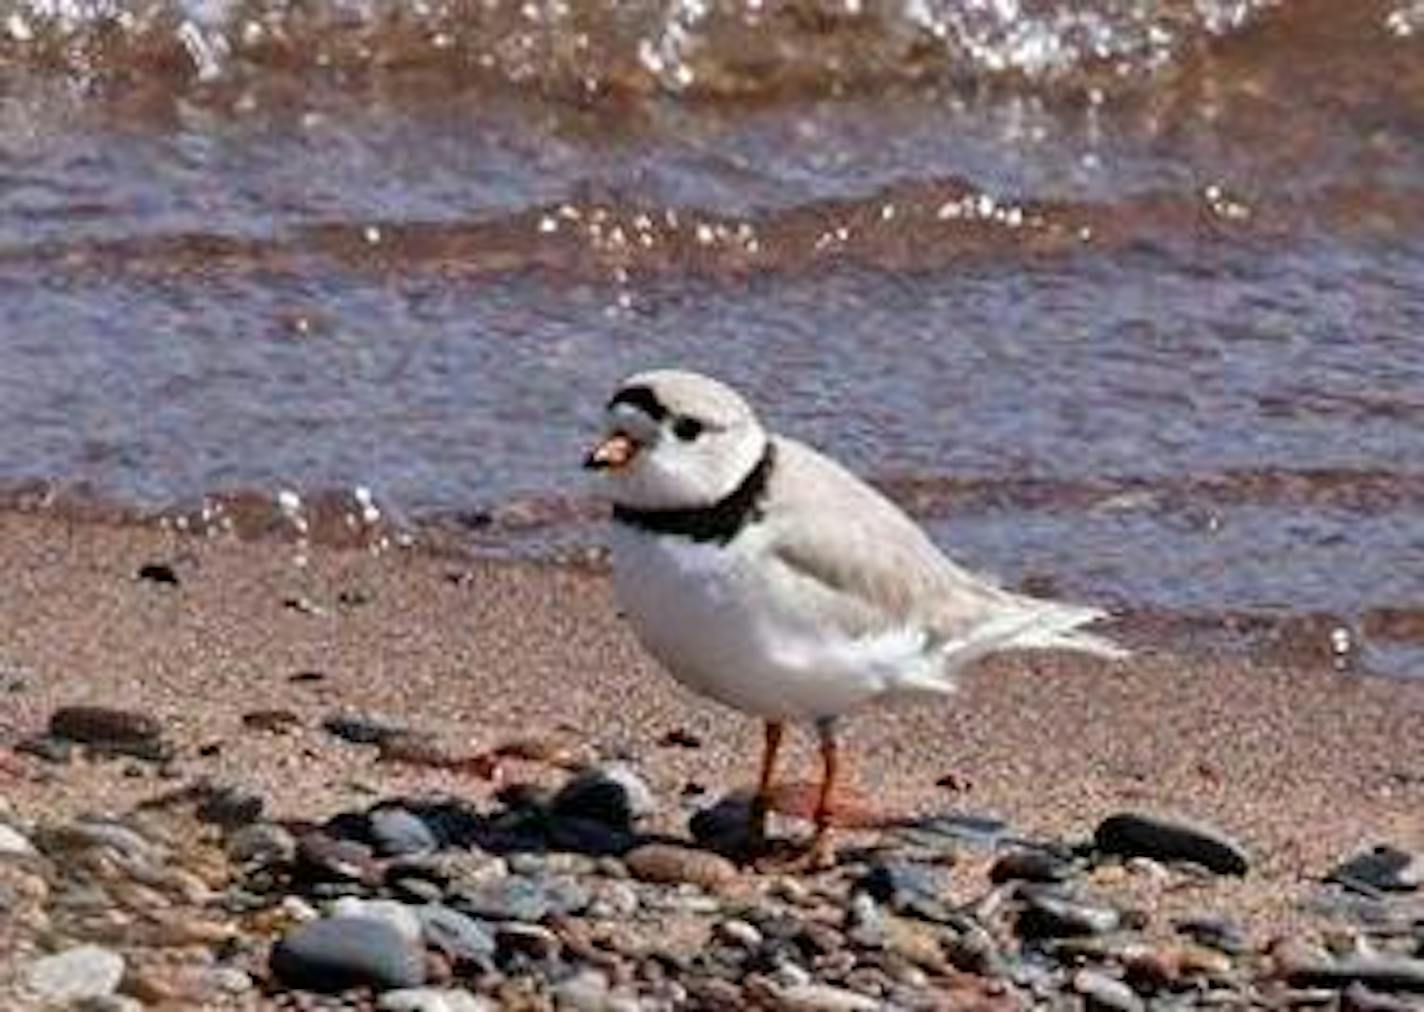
<point>1302,765</point>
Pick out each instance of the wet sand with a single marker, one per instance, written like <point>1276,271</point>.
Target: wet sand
<point>1302,764</point>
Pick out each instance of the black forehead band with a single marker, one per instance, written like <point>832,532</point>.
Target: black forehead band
<point>642,398</point>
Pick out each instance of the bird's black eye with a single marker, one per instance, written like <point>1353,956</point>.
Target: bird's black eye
<point>687,429</point>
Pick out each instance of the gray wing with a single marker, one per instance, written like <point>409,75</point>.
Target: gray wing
<point>861,561</point>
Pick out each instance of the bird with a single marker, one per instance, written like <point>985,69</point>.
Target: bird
<point>765,575</point>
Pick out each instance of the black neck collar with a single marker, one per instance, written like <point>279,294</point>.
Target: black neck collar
<point>720,522</point>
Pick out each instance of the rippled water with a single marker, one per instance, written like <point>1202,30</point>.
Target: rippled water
<point>1125,299</point>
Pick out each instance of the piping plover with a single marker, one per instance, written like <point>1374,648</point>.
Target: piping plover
<point>763,574</point>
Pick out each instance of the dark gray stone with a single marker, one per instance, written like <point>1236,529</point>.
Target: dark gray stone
<point>338,953</point>
<point>360,729</point>
<point>725,827</point>
<point>104,725</point>
<point>1032,864</point>
<point>1136,834</point>
<point>1220,933</point>
<point>1051,913</point>
<point>519,898</point>
<point>230,807</point>
<point>1383,868</point>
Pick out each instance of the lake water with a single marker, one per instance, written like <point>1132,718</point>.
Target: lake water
<point>1125,300</point>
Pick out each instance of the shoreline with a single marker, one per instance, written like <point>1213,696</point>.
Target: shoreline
<point>1303,765</point>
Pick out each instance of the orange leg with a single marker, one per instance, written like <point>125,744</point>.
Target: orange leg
<point>761,804</point>
<point>823,855</point>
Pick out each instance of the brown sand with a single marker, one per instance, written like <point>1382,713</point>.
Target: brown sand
<point>1303,765</point>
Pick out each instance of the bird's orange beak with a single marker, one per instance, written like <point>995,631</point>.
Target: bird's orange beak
<point>613,454</point>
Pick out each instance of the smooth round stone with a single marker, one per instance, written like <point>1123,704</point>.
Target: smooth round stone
<point>1106,994</point>
<point>585,991</point>
<point>396,832</point>
<point>77,974</point>
<point>338,953</point>
<point>1137,834</point>
<point>431,999</point>
<point>670,863</point>
<point>740,933</point>
<point>398,915</point>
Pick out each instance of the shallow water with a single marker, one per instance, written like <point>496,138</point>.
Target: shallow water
<point>1125,300</point>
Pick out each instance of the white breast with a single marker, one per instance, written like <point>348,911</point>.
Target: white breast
<point>726,623</point>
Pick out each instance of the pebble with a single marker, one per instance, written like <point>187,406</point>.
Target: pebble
<point>230,807</point>
<point>725,826</point>
<point>1377,972</point>
<point>738,932</point>
<point>1106,994</point>
<point>264,843</point>
<point>909,888</point>
<point>516,898</point>
<point>612,794</point>
<point>670,863</point>
<point>464,941</point>
<point>1220,933</point>
<point>1032,864</point>
<point>360,729</point>
<point>397,832</point>
<point>1136,834</point>
<point>398,915</point>
<point>430,999</point>
<point>104,725</point>
<point>13,842</point>
<point>1050,913</point>
<point>83,972</point>
<point>1382,867</point>
<point>335,954</point>
<point>531,940</point>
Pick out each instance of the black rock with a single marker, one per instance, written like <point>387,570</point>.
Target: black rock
<point>1135,834</point>
<point>464,941</point>
<point>589,836</point>
<point>338,953</point>
<point>360,729</point>
<point>104,725</point>
<point>1383,867</point>
<point>158,572</point>
<point>725,827</point>
<point>614,795</point>
<point>1052,913</point>
<point>396,832</point>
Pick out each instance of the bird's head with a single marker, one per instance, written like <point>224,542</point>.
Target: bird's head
<point>676,440</point>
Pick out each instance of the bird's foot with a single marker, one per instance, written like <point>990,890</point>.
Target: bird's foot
<point>792,858</point>
<point>848,809</point>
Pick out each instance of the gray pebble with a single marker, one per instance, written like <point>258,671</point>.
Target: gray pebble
<point>262,843</point>
<point>85,971</point>
<point>396,832</point>
<point>461,939</point>
<point>1378,972</point>
<point>339,953</point>
<point>1383,867</point>
<point>1106,994</point>
<point>398,915</point>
